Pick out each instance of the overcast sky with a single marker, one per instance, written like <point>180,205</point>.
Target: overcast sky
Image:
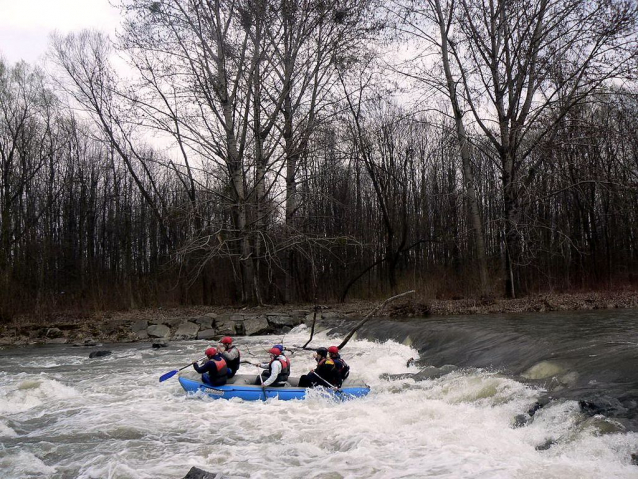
<point>25,25</point>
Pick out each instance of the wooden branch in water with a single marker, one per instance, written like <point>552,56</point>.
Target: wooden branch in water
<point>312,330</point>
<point>369,315</point>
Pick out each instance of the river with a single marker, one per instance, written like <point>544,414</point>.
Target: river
<point>528,396</point>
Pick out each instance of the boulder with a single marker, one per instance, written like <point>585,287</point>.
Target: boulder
<point>37,333</point>
<point>57,341</point>
<point>158,331</point>
<point>521,420</point>
<point>538,405</point>
<point>171,322</point>
<point>239,328</point>
<point>196,473</point>
<point>114,327</point>
<point>140,335</point>
<point>159,344</point>
<point>225,324</point>
<point>330,315</point>
<point>207,334</point>
<point>319,325</point>
<point>279,320</point>
<point>69,327</point>
<point>546,445</point>
<point>255,325</point>
<point>99,354</point>
<point>310,317</point>
<point>186,330</point>
<point>204,322</point>
<point>139,326</point>
<point>54,333</point>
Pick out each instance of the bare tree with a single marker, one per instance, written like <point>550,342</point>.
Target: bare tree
<point>521,67</point>
<point>27,115</point>
<point>417,20</point>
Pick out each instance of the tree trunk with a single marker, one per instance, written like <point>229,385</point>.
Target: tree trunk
<point>464,144</point>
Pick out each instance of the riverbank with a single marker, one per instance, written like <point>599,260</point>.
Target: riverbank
<point>159,325</point>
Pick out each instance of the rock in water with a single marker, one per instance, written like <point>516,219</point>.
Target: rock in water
<point>546,445</point>
<point>196,473</point>
<point>99,354</point>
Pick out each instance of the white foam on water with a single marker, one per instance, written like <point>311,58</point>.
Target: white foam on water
<point>120,422</point>
<point>23,464</point>
<point>6,431</point>
<point>33,392</point>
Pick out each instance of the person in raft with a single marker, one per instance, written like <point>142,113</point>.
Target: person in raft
<point>214,371</point>
<point>276,371</point>
<point>343,370</point>
<point>281,348</point>
<point>325,374</point>
<point>231,354</point>
<point>283,353</point>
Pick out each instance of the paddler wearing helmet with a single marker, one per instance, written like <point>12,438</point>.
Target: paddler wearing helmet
<point>276,371</point>
<point>325,374</point>
<point>231,354</point>
<point>343,370</point>
<point>215,370</point>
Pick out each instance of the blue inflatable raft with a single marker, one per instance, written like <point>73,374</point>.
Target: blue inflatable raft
<point>243,387</point>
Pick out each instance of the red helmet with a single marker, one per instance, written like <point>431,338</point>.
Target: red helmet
<point>275,351</point>
<point>227,340</point>
<point>333,350</point>
<point>210,352</point>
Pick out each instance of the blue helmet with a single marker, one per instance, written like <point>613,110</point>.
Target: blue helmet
<point>280,347</point>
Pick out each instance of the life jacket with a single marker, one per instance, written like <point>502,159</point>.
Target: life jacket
<point>286,360</point>
<point>342,368</point>
<point>323,361</point>
<point>282,377</point>
<point>327,372</point>
<point>221,365</point>
<point>233,364</point>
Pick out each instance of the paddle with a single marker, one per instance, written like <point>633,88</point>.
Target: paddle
<point>172,373</point>
<point>263,388</point>
<point>331,386</point>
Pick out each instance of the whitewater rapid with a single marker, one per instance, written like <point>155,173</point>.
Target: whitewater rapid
<point>63,415</point>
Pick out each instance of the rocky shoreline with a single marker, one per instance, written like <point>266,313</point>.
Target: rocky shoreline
<point>158,329</point>
<point>160,325</point>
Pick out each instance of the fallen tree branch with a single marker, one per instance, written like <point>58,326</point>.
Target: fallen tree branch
<point>369,315</point>
<point>312,330</point>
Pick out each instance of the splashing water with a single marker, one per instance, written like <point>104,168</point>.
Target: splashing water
<point>110,418</point>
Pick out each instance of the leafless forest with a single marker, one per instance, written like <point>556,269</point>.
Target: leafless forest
<point>269,151</point>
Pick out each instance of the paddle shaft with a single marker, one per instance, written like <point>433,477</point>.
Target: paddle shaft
<point>263,388</point>
<point>189,365</point>
<point>172,373</point>
<point>331,386</point>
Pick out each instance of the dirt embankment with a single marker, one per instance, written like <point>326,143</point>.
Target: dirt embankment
<point>85,325</point>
